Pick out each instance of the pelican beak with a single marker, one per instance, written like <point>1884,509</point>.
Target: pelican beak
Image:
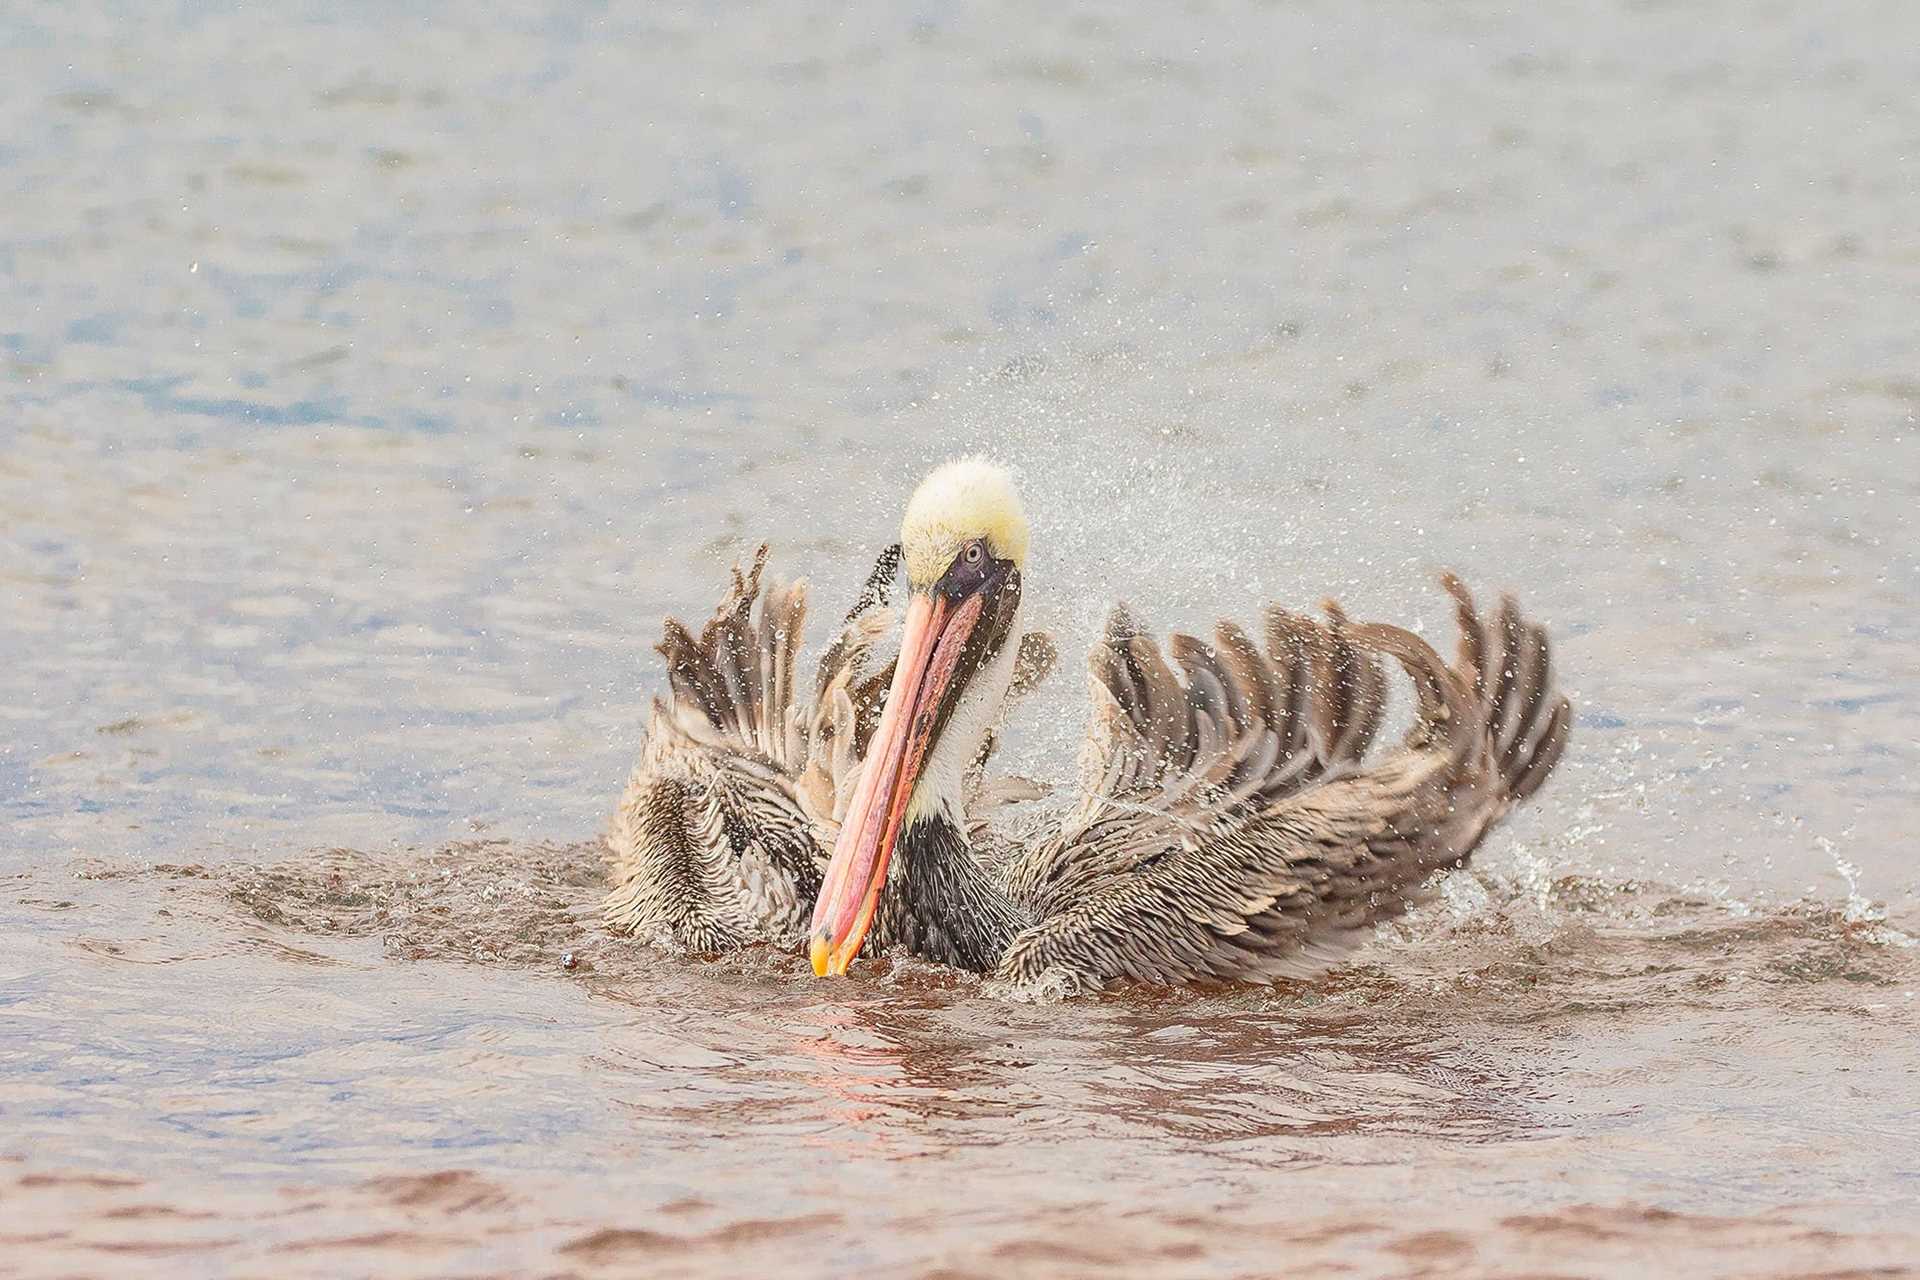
<point>931,644</point>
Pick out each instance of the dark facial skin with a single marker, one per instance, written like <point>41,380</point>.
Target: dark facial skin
<point>975,571</point>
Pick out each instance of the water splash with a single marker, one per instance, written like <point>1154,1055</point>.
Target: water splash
<point>1859,909</point>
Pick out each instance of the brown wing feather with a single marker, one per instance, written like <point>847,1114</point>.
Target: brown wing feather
<point>720,836</point>
<point>712,845</point>
<point>1170,759</point>
<point>1271,854</point>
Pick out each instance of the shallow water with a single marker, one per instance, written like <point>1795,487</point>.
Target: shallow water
<point>376,377</point>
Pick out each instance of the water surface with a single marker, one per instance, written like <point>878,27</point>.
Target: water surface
<point>375,377</point>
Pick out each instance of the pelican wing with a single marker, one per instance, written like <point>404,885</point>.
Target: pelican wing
<point>719,838</point>
<point>1233,827</point>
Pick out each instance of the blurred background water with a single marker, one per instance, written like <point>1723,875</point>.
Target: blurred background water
<point>373,377</point>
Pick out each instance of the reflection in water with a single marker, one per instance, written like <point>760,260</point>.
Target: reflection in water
<point>1483,1044</point>
<point>1272,1085</point>
<point>860,1077</point>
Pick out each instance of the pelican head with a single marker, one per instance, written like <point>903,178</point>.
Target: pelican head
<point>964,541</point>
<point>960,502</point>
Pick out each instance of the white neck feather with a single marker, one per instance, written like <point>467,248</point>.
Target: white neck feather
<point>943,776</point>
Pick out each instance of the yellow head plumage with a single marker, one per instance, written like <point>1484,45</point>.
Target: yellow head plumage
<point>962,500</point>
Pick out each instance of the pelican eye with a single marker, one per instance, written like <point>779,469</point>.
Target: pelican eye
<point>975,554</point>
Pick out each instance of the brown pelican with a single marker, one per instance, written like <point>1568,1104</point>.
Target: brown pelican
<point>1230,827</point>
